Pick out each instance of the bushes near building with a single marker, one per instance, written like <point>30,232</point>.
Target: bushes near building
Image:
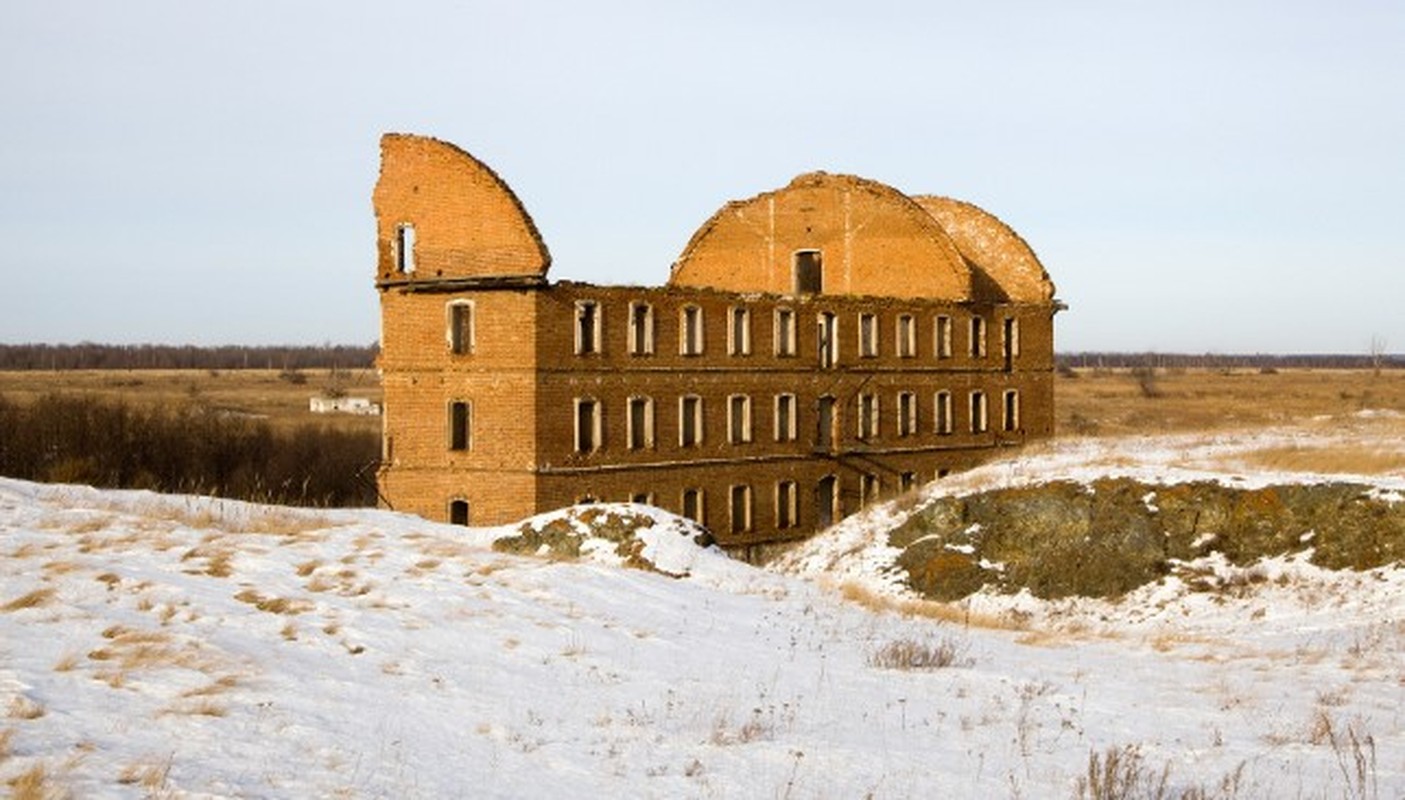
<point>187,448</point>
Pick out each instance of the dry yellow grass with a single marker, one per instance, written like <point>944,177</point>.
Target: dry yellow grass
<point>34,599</point>
<point>34,784</point>
<point>1111,402</point>
<point>929,609</point>
<point>23,708</point>
<point>1329,459</point>
<point>148,775</point>
<point>7,738</point>
<point>256,392</point>
<point>273,605</point>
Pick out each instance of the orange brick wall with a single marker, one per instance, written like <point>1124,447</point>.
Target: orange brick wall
<point>874,242</point>
<point>467,222</point>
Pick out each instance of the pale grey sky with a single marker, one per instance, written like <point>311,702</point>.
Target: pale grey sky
<point>1196,176</point>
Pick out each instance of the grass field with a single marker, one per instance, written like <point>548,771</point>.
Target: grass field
<point>1089,402</point>
<point>268,394</point>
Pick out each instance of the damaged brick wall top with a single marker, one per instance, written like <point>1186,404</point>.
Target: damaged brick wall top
<point>463,220</point>
<point>1004,265</point>
<point>873,240</point>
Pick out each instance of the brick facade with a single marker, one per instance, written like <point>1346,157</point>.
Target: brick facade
<point>506,395</point>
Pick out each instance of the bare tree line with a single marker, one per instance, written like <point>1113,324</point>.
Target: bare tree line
<point>1375,360</point>
<point>91,355</point>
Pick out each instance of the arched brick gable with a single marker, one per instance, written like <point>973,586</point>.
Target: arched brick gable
<point>873,240</point>
<point>1005,265</point>
<point>466,222</point>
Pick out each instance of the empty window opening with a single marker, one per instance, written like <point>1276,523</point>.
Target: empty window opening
<point>868,489</point>
<point>906,334</point>
<point>785,418</point>
<point>977,337</point>
<point>459,322</point>
<point>809,272</point>
<point>739,331</point>
<point>943,413</point>
<point>942,473</point>
<point>907,481</point>
<point>458,512</point>
<point>868,335</point>
<point>587,425</point>
<point>690,421</point>
<point>825,421</point>
<point>738,419</point>
<point>460,425</point>
<point>741,509</point>
<point>641,329</point>
<point>587,327</point>
<point>868,416</point>
<point>787,510</point>
<point>943,336</point>
<point>980,421</point>
<point>828,343</point>
<point>693,506</point>
<point>1010,416</point>
<point>785,332</point>
<point>690,340</point>
<point>641,423</point>
<point>907,413</point>
<point>642,498</point>
<point>1010,342</point>
<point>405,248</point>
<point>827,508</point>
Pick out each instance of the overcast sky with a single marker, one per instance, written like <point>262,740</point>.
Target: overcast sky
<point>1196,176</point>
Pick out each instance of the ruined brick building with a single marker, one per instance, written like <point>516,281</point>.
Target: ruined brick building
<point>815,348</point>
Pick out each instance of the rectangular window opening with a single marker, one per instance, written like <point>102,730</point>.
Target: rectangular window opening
<point>785,418</point>
<point>906,333</point>
<point>787,510</point>
<point>943,337</point>
<point>1010,418</point>
<point>587,425</point>
<point>828,325</point>
<point>739,419</point>
<point>690,421</point>
<point>739,331</point>
<point>868,416</point>
<point>977,337</point>
<point>641,329</point>
<point>741,509</point>
<point>809,272</point>
<point>943,413</point>
<point>460,327</point>
<point>907,413</point>
<point>587,327</point>
<point>693,506</point>
<point>641,423</point>
<point>785,332</point>
<point>868,335</point>
<point>460,425</point>
<point>980,420</point>
<point>405,248</point>
<point>690,340</point>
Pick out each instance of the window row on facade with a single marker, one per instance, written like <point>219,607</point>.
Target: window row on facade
<point>784,506</point>
<point>640,416</point>
<point>869,339</point>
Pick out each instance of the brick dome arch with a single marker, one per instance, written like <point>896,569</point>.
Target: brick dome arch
<point>871,240</point>
<point>463,221</point>
<point>1004,265</point>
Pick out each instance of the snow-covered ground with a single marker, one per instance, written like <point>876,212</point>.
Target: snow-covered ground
<point>173,646</point>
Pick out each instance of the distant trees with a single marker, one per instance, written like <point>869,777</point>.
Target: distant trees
<point>89,355</point>
<point>1377,359</point>
<point>189,449</point>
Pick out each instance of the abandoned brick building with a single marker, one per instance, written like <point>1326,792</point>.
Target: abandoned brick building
<point>815,348</point>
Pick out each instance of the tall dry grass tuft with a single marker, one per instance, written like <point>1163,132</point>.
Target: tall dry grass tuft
<point>910,654</point>
<point>23,708</point>
<point>7,738</point>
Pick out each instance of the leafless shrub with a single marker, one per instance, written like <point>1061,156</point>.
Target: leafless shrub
<point>1121,773</point>
<point>1355,753</point>
<point>910,654</point>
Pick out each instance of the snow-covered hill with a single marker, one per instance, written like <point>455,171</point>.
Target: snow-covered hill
<point>175,646</point>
